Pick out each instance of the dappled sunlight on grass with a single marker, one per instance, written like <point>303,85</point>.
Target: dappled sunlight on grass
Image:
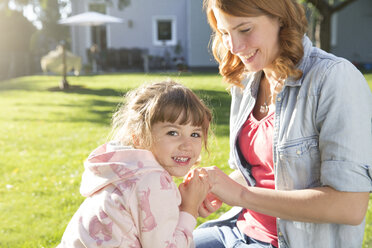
<point>46,134</point>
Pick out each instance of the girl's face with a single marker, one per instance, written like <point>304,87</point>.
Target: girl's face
<point>176,147</point>
<point>254,39</point>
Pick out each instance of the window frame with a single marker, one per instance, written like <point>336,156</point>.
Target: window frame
<point>155,40</point>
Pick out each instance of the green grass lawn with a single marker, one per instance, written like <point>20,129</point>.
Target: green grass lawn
<point>46,133</point>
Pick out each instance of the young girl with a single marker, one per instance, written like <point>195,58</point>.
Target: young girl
<point>132,200</point>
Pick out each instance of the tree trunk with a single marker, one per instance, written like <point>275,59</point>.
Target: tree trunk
<point>325,32</point>
<point>12,65</point>
<point>326,10</point>
<point>64,84</point>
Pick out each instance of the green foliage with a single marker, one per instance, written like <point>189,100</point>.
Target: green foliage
<point>51,33</point>
<point>15,31</point>
<point>46,133</point>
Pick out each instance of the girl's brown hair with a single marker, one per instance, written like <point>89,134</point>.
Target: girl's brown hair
<point>164,101</point>
<point>290,13</point>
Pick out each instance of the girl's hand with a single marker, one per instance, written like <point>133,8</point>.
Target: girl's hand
<point>211,203</point>
<point>193,191</point>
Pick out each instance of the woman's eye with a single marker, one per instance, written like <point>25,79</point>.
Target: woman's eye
<point>223,33</point>
<point>196,135</point>
<point>245,30</point>
<point>172,133</point>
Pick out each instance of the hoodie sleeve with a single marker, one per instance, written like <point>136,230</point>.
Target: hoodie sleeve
<point>160,222</point>
<point>101,221</point>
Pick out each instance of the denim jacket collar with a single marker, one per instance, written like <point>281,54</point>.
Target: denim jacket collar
<point>302,65</point>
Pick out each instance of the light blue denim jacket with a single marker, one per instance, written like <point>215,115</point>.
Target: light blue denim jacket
<point>322,137</point>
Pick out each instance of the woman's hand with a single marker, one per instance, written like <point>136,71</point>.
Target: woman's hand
<point>318,205</point>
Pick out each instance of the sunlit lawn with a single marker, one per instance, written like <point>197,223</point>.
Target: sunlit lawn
<point>46,133</point>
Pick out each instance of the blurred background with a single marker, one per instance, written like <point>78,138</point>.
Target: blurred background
<point>153,35</point>
<point>46,131</point>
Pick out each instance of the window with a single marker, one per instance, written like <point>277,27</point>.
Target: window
<point>98,34</point>
<point>164,30</point>
<point>98,7</point>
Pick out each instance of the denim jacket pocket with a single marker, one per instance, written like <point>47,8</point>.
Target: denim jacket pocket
<point>298,164</point>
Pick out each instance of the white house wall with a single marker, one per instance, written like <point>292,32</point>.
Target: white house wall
<point>192,30</point>
<point>199,54</point>
<point>354,32</point>
<point>137,31</point>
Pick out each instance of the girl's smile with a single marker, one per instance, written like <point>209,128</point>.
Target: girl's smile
<point>181,160</point>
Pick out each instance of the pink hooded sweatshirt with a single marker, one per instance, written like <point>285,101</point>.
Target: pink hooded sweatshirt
<point>131,202</point>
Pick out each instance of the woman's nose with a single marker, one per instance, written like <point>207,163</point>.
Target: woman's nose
<point>236,44</point>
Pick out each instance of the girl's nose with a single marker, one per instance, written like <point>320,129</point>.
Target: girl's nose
<point>185,144</point>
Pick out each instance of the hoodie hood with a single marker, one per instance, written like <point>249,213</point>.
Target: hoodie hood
<point>112,162</point>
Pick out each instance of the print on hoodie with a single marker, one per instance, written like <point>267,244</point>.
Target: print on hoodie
<point>131,202</point>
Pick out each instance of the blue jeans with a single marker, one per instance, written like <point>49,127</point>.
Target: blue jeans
<point>224,233</point>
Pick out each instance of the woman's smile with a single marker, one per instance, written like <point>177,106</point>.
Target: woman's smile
<point>248,58</point>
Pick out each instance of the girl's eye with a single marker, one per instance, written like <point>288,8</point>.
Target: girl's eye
<point>172,133</point>
<point>196,135</point>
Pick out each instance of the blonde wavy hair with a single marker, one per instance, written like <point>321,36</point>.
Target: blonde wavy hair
<point>290,13</point>
<point>150,103</point>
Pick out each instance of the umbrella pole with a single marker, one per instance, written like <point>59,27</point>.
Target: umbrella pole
<point>64,84</point>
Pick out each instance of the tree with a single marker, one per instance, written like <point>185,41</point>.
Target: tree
<point>44,3</point>
<point>325,9</point>
<point>51,33</point>
<point>48,13</point>
<point>14,43</point>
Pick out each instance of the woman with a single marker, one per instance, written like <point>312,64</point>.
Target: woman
<point>300,133</point>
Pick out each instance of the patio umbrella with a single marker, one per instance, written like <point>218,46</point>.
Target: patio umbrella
<point>90,19</point>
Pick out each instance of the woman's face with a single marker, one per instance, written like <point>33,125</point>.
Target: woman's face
<point>254,39</point>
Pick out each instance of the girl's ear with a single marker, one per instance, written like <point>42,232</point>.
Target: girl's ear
<point>135,141</point>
